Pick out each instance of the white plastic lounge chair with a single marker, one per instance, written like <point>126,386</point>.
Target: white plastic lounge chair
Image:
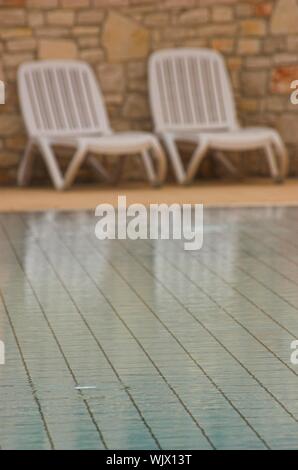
<point>62,105</point>
<point>191,100</point>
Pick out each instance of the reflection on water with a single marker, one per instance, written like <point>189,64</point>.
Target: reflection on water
<point>182,349</point>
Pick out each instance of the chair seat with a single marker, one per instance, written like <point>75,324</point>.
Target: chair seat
<point>250,137</point>
<point>120,142</point>
<point>238,139</point>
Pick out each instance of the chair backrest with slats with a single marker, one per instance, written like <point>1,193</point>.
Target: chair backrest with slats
<point>61,98</point>
<point>190,90</point>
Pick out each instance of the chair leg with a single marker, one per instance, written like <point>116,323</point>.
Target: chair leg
<point>98,168</point>
<point>161,159</point>
<point>197,158</point>
<point>272,162</point>
<point>118,171</point>
<point>226,162</point>
<point>147,160</point>
<point>175,158</point>
<point>283,156</point>
<point>25,168</point>
<point>74,166</point>
<point>51,164</point>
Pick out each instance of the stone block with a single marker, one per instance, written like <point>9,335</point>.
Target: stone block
<point>111,77</point>
<point>136,107</point>
<point>254,83</point>
<point>222,14</point>
<point>42,4</point>
<point>253,27</point>
<point>249,46</point>
<point>60,17</point>
<point>12,17</point>
<point>25,44</point>
<point>285,17</point>
<point>57,49</point>
<point>10,124</point>
<point>196,16</point>
<point>287,126</point>
<point>124,39</point>
<point>90,17</point>
<point>92,56</point>
<point>223,44</point>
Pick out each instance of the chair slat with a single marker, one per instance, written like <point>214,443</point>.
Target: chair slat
<point>190,89</point>
<point>187,99</point>
<point>33,99</point>
<point>160,84</point>
<point>61,98</point>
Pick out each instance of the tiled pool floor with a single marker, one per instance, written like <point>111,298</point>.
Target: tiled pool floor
<point>142,345</point>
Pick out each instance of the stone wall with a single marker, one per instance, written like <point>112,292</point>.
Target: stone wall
<point>259,39</point>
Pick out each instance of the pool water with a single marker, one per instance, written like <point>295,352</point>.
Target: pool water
<point>142,345</point>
